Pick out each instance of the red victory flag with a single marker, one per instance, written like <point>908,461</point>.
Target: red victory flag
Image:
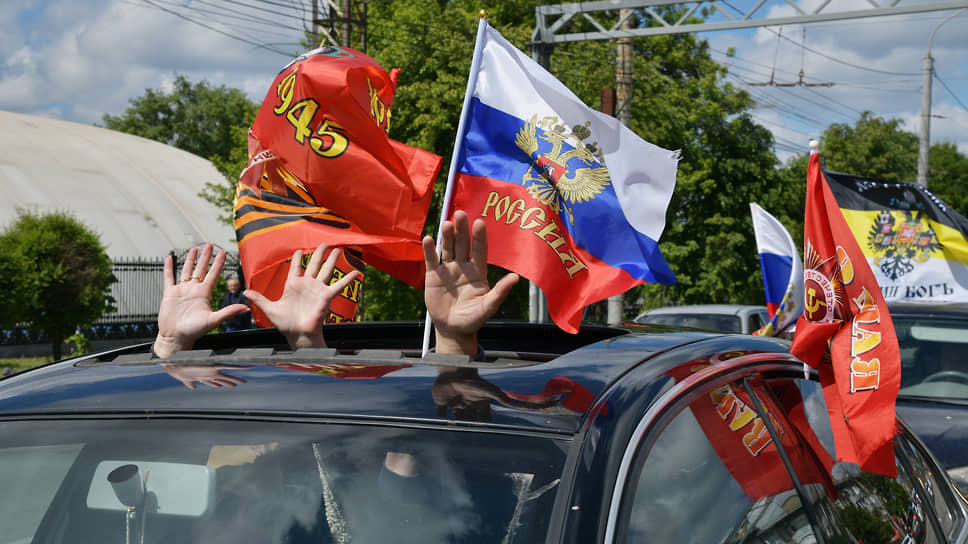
<point>322,168</point>
<point>846,333</point>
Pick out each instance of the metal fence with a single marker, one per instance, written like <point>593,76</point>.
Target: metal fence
<point>137,293</point>
<point>137,296</point>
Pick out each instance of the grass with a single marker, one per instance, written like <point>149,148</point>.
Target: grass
<point>23,363</point>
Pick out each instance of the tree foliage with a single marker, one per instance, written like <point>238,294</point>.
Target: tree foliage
<point>680,102</point>
<point>432,44</point>
<point>948,175</point>
<point>208,121</point>
<point>873,147</point>
<point>878,148</point>
<point>59,275</point>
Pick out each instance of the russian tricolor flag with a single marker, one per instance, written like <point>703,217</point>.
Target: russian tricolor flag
<point>782,270</point>
<point>573,199</point>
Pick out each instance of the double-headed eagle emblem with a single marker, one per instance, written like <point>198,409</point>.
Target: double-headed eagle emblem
<point>900,242</point>
<point>566,174</point>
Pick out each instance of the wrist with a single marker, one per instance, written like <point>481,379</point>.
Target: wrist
<point>297,341</point>
<point>166,346</point>
<point>464,344</point>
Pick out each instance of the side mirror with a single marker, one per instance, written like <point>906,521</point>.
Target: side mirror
<point>175,489</point>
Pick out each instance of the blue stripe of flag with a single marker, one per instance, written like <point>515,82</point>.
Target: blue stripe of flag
<point>600,227</point>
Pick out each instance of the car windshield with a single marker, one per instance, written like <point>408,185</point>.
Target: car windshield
<point>195,480</point>
<point>934,357</point>
<point>709,322</point>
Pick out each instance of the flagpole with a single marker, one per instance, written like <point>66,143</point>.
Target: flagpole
<point>451,172</point>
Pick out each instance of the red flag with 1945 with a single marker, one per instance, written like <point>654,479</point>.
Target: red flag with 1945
<point>846,333</point>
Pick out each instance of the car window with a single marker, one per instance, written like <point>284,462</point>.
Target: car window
<point>869,507</point>
<point>934,487</point>
<point>755,322</point>
<point>934,357</point>
<point>273,482</point>
<point>709,322</point>
<point>712,475</point>
<point>30,476</point>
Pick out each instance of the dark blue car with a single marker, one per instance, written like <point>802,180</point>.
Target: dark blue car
<point>934,380</point>
<point>658,436</point>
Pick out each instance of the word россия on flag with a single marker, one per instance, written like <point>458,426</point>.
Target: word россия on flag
<point>573,200</point>
<point>782,271</point>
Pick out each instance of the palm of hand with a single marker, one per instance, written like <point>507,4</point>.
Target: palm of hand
<point>185,311</point>
<point>305,300</point>
<point>302,306</point>
<point>455,295</point>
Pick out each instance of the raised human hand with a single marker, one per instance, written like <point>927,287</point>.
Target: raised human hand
<point>456,291</point>
<point>185,314</point>
<point>300,311</point>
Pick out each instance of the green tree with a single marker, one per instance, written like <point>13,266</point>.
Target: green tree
<point>878,148</point>
<point>948,175</point>
<point>60,274</point>
<point>209,121</point>
<point>680,102</point>
<point>873,147</point>
<point>432,44</point>
<point>865,525</point>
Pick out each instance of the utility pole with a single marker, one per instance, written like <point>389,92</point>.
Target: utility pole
<point>537,302</point>
<point>340,23</point>
<point>623,112</point>
<point>314,25</point>
<point>924,142</point>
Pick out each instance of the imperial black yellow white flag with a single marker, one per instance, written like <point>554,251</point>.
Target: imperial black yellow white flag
<point>916,245</point>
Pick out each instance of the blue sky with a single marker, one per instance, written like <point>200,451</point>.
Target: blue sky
<point>79,59</point>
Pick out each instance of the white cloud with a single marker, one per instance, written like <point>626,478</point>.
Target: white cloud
<point>80,59</point>
<point>874,64</point>
<point>93,56</point>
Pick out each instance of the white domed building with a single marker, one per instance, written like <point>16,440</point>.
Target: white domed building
<point>139,195</point>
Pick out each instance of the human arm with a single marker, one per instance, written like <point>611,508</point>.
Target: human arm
<point>458,296</point>
<point>300,311</point>
<point>186,314</point>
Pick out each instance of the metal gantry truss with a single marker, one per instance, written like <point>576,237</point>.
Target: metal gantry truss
<point>554,21</point>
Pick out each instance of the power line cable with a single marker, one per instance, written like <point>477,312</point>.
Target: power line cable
<point>945,85</point>
<point>785,107</point>
<point>808,88</point>
<point>216,30</point>
<point>269,2</point>
<point>232,15</point>
<point>824,55</point>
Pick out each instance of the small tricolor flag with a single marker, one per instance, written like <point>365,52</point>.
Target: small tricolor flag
<point>782,271</point>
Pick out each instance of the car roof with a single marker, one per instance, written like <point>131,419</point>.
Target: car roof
<point>347,381</point>
<point>731,309</point>
<point>928,310</point>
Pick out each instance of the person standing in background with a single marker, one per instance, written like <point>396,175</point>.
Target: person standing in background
<point>234,295</point>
